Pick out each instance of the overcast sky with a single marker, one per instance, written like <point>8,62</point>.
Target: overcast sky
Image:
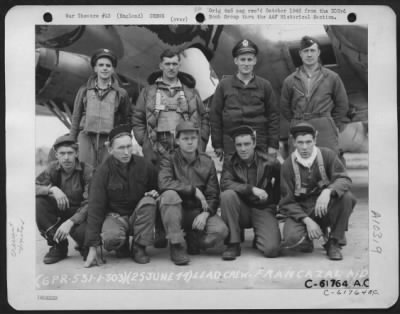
<point>47,130</point>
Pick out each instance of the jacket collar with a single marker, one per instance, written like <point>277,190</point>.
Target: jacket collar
<point>116,163</point>
<point>183,159</point>
<point>185,78</point>
<point>91,83</point>
<point>259,157</point>
<point>297,73</point>
<point>160,82</point>
<point>262,161</point>
<point>238,83</point>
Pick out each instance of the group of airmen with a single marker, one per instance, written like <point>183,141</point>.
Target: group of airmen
<point>102,195</point>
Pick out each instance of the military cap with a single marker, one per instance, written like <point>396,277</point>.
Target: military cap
<point>244,46</point>
<point>308,41</point>
<point>120,130</point>
<point>65,139</point>
<point>302,127</point>
<point>185,126</point>
<point>103,53</point>
<point>242,130</point>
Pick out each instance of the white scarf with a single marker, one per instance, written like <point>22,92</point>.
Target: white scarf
<point>306,162</point>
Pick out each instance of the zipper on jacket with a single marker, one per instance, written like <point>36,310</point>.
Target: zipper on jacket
<point>299,91</point>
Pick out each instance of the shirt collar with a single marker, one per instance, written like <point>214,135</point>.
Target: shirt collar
<point>96,85</point>
<point>239,82</point>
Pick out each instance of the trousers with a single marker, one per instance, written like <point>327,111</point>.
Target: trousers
<point>116,229</point>
<point>238,215</point>
<point>178,220</point>
<point>48,214</point>
<point>92,149</point>
<point>337,218</point>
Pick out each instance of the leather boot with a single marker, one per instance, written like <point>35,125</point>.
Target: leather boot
<point>139,254</point>
<point>178,254</point>
<point>231,252</point>
<point>333,250</point>
<point>307,246</point>
<point>57,252</point>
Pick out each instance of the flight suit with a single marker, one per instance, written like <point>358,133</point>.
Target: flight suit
<point>96,113</point>
<point>160,107</point>
<point>117,206</point>
<point>298,198</point>
<point>178,180</point>
<point>323,103</point>
<point>235,104</point>
<point>75,186</point>
<point>241,209</point>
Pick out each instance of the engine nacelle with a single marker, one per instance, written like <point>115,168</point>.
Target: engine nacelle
<point>59,75</point>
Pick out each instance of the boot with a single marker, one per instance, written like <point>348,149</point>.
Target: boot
<point>49,233</point>
<point>123,251</point>
<point>307,246</point>
<point>231,252</point>
<point>178,254</point>
<point>139,254</point>
<point>333,250</point>
<point>57,252</point>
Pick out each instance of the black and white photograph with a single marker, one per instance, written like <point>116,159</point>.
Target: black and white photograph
<point>228,152</point>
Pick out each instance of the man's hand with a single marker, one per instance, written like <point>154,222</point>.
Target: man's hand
<point>313,229</point>
<point>321,206</point>
<point>200,221</point>
<point>200,196</point>
<point>260,193</point>
<point>92,258</point>
<point>63,231</point>
<point>60,197</point>
<point>152,193</point>
<point>220,153</point>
